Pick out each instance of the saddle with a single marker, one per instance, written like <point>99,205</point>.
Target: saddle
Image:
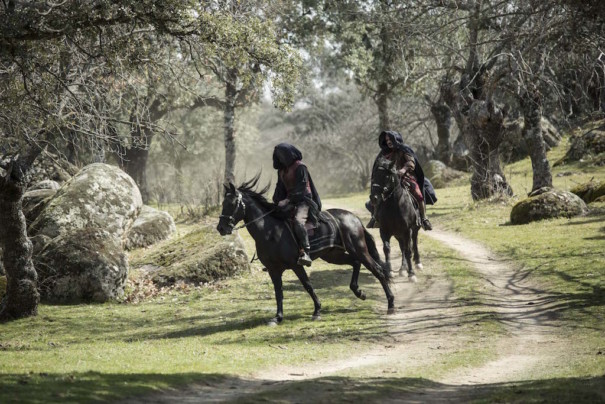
<point>326,234</point>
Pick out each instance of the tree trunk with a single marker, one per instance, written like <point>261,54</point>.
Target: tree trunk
<point>22,297</point>
<point>134,159</point>
<point>229,127</point>
<point>382,102</point>
<point>135,165</point>
<point>483,133</point>
<point>532,133</point>
<point>443,118</point>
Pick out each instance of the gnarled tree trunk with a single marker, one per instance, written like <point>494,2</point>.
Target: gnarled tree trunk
<point>22,297</point>
<point>531,105</point>
<point>443,119</point>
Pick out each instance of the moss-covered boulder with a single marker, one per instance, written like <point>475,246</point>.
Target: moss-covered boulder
<point>151,226</point>
<point>85,265</point>
<point>590,191</point>
<point>547,203</point>
<point>440,174</point>
<point>98,196</point>
<point>197,257</point>
<point>587,144</point>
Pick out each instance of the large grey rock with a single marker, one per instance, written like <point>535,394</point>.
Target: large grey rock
<point>85,265</point>
<point>151,226</point>
<point>79,235</point>
<point>440,174</point>
<point>34,202</point>
<point>98,196</point>
<point>547,203</point>
<point>587,145</point>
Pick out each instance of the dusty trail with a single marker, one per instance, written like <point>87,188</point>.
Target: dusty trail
<point>427,325</point>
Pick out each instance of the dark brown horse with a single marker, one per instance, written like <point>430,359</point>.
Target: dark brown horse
<point>397,216</point>
<point>278,250</point>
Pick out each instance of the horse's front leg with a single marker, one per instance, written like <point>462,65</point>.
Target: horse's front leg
<point>276,276</point>
<point>304,279</point>
<point>415,249</point>
<point>386,248</point>
<point>406,257</point>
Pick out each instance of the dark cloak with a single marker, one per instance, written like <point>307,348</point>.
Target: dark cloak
<point>425,185</point>
<point>284,155</point>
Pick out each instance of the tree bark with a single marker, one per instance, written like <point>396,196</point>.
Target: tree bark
<point>229,126</point>
<point>382,102</point>
<point>22,297</point>
<point>443,119</point>
<point>134,159</point>
<point>531,105</point>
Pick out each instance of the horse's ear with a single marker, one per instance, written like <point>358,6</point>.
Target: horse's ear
<point>231,186</point>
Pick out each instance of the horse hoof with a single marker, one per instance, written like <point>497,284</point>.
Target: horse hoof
<point>273,322</point>
<point>412,278</point>
<point>391,310</point>
<point>316,317</point>
<point>362,296</point>
<point>419,266</point>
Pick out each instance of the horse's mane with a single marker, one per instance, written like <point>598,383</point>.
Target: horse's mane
<point>248,188</point>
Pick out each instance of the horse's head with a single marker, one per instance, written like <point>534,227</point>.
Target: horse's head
<point>384,180</point>
<point>233,211</point>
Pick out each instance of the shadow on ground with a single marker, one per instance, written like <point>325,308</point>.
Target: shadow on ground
<point>195,387</point>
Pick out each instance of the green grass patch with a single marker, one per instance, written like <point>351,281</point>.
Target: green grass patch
<point>176,338</point>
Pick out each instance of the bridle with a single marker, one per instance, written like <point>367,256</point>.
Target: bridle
<point>384,188</point>
<point>241,205</point>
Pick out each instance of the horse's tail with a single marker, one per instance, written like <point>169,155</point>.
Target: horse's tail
<point>374,252</point>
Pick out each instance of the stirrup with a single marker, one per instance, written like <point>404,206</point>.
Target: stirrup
<point>426,225</point>
<point>304,260</point>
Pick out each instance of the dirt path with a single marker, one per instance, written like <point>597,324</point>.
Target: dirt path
<point>427,326</point>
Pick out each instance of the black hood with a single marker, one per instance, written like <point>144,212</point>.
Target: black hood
<point>395,137</point>
<point>284,155</point>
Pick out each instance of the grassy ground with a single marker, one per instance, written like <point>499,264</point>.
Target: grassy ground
<point>94,353</point>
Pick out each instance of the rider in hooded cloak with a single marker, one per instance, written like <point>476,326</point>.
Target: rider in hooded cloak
<point>409,170</point>
<point>295,187</point>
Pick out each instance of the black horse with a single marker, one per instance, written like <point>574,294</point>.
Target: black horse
<point>278,250</point>
<point>397,216</point>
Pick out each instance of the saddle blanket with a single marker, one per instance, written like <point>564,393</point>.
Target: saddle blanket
<point>325,235</point>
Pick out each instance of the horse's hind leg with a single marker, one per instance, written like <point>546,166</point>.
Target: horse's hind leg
<point>406,257</point>
<point>304,279</point>
<point>342,258</point>
<point>415,249</point>
<point>359,249</point>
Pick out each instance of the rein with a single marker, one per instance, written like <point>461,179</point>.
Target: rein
<point>241,226</point>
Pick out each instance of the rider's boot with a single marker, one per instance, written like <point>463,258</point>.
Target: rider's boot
<point>426,225</point>
<point>303,241</point>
